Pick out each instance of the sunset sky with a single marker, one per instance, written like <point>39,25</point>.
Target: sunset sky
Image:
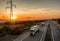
<point>31,9</point>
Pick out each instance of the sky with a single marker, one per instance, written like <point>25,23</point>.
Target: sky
<point>32,9</point>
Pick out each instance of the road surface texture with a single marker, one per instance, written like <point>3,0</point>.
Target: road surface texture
<point>8,37</point>
<point>48,34</point>
<point>25,36</point>
<point>39,36</point>
<point>55,31</point>
<point>11,37</point>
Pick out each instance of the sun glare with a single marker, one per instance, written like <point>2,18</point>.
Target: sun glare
<point>13,17</point>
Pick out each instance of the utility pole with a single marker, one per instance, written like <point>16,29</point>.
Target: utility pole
<point>10,3</point>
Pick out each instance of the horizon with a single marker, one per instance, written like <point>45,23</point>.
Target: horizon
<point>31,10</point>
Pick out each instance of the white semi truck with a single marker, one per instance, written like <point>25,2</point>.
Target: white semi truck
<point>34,29</point>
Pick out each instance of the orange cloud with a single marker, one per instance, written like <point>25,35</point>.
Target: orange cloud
<point>33,14</point>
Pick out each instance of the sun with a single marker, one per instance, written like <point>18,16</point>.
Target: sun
<point>13,17</point>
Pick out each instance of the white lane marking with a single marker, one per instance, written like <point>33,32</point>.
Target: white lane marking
<point>20,38</point>
<point>52,31</point>
<point>52,35</point>
<point>24,37</point>
<point>43,34</point>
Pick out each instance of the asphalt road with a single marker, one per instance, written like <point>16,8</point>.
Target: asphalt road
<point>55,31</point>
<point>25,36</point>
<point>38,36</point>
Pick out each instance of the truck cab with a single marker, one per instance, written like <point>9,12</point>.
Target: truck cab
<point>34,29</point>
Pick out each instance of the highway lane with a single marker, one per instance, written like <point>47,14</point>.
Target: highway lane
<point>58,30</point>
<point>55,31</point>
<point>23,36</point>
<point>38,37</point>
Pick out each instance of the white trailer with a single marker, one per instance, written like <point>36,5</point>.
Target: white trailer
<point>34,29</point>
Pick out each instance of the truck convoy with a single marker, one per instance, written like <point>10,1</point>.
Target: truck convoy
<point>34,29</point>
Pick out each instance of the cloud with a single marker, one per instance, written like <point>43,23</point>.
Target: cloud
<point>39,10</point>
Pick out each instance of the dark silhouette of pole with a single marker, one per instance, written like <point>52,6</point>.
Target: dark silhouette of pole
<point>11,8</point>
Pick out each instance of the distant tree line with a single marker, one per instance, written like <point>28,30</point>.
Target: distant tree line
<point>58,20</point>
<point>17,29</point>
<point>6,30</point>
